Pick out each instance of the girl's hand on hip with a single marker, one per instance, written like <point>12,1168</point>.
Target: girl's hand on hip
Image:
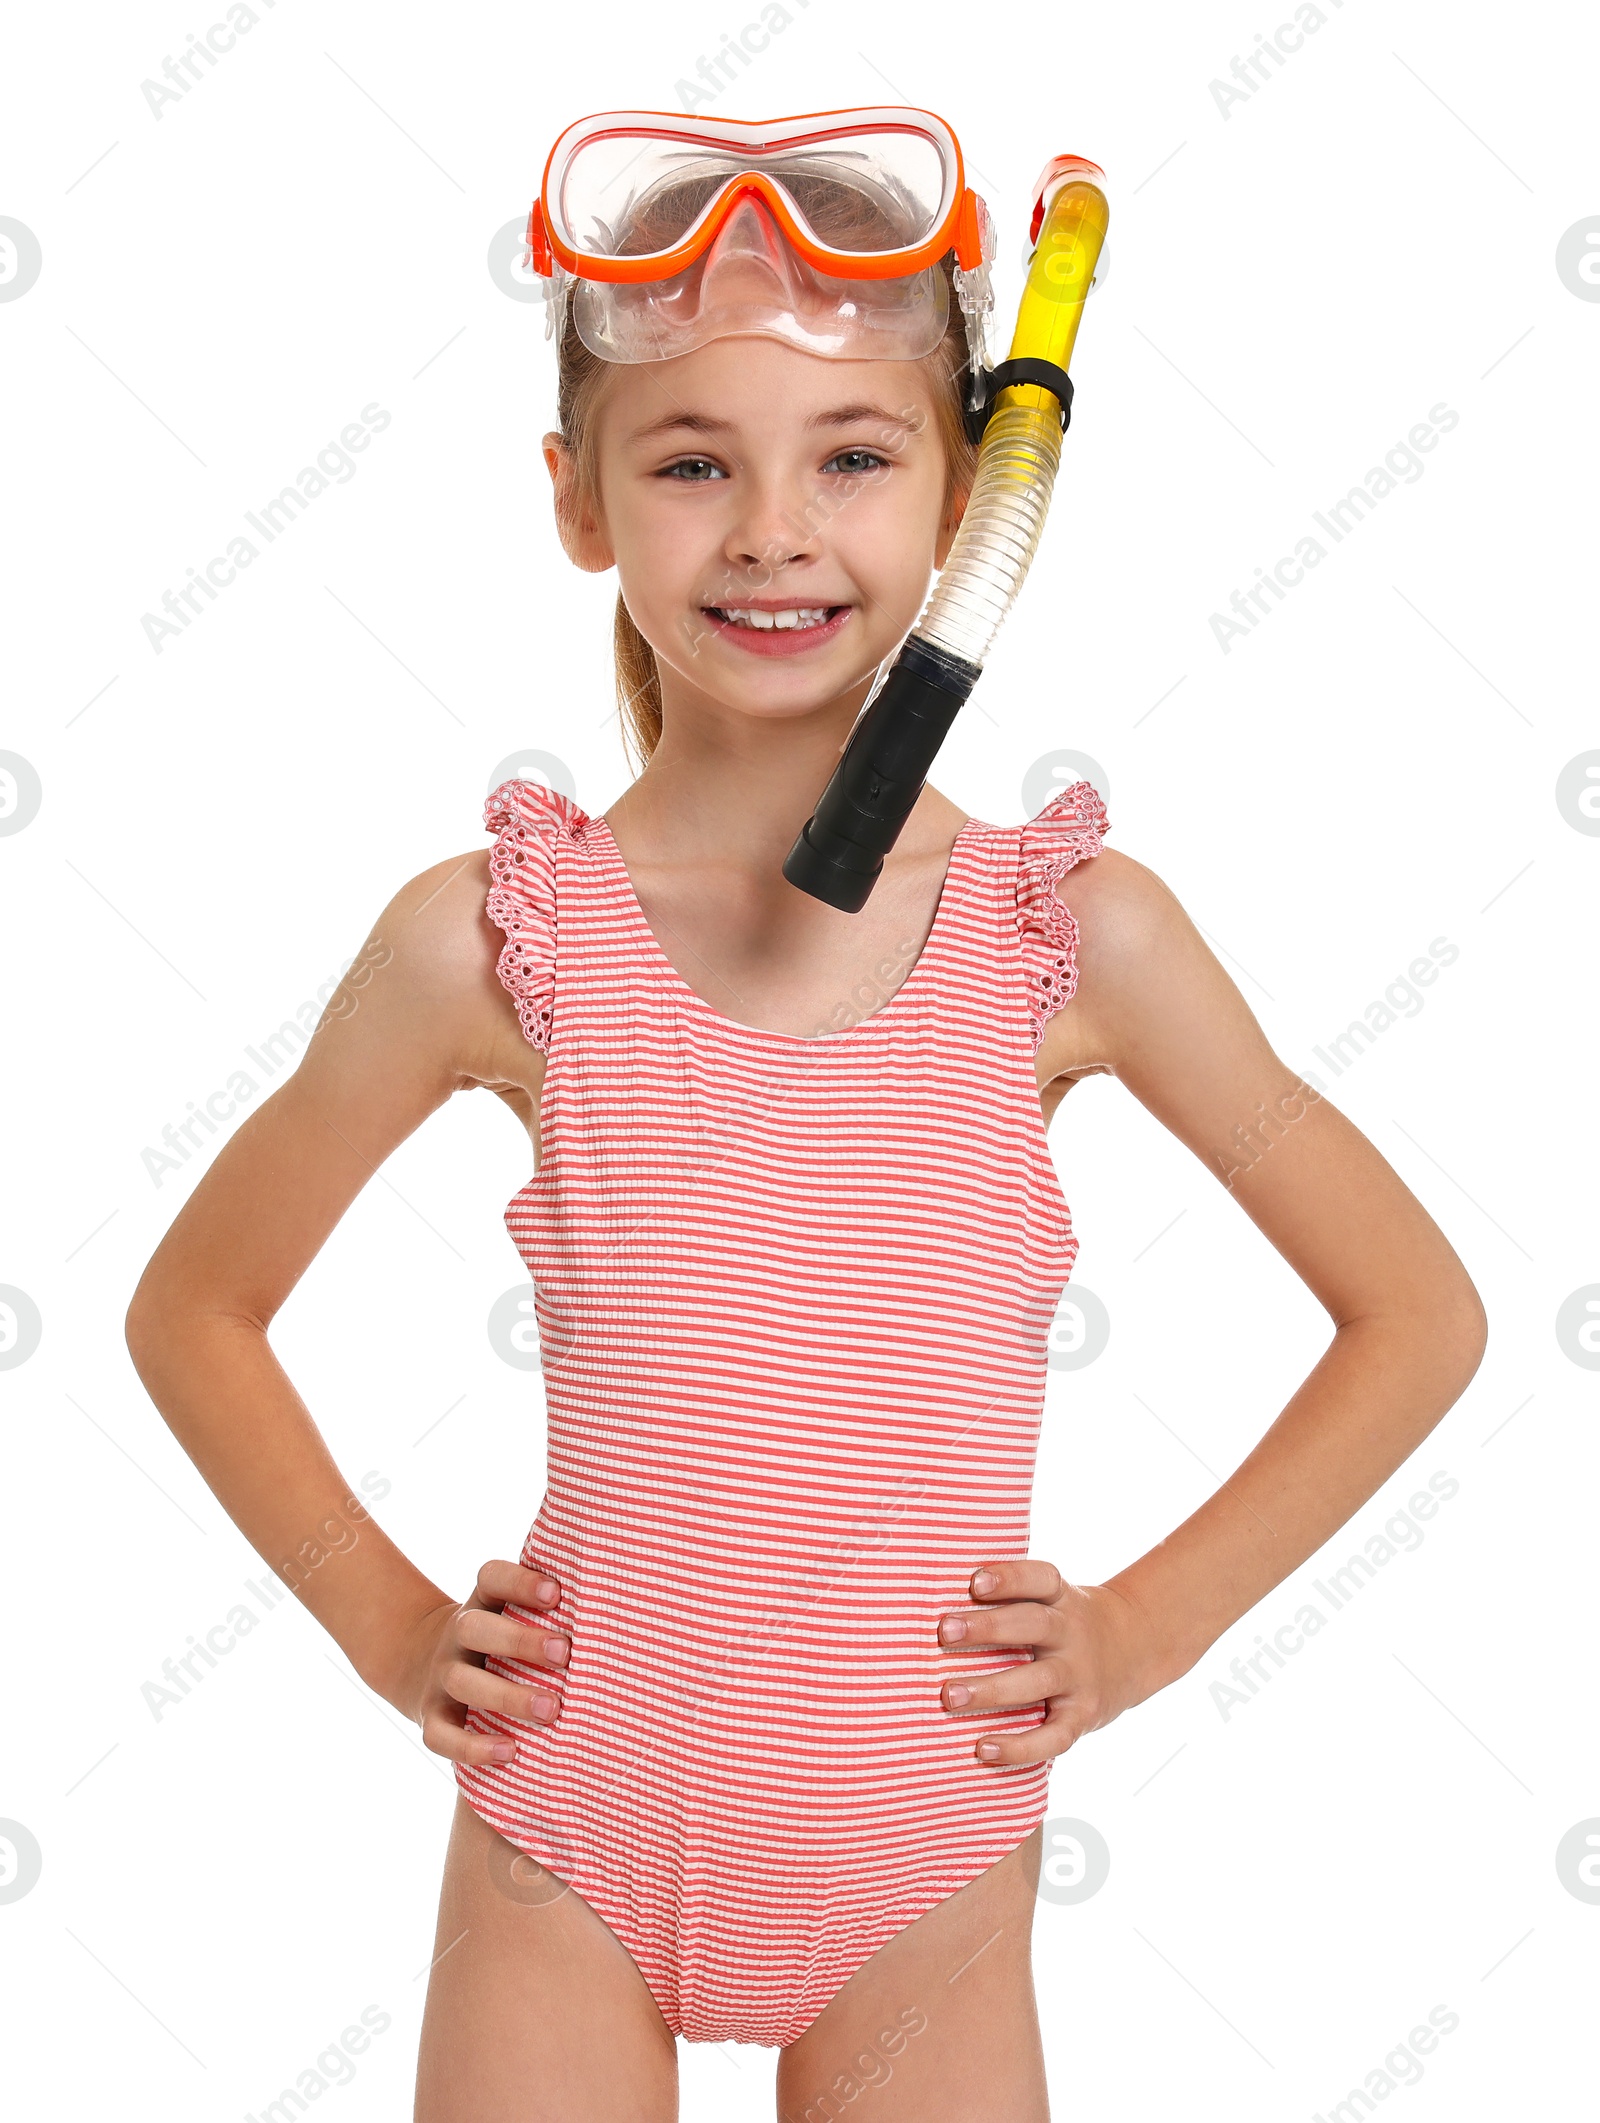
<point>446,1674</point>
<point>1092,1657</point>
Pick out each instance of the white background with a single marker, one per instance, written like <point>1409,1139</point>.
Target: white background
<point>1293,285</point>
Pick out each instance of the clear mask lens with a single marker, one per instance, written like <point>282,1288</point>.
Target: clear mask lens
<point>749,281</point>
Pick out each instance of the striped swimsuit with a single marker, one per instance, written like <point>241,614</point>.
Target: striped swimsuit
<point>793,1297</point>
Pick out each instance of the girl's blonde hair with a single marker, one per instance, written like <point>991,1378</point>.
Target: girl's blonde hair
<point>581,384</point>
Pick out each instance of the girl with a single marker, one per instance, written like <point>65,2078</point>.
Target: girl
<point>752,1740</point>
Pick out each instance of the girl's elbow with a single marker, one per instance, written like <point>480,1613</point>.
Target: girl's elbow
<point>145,1328</point>
<point>1460,1330</point>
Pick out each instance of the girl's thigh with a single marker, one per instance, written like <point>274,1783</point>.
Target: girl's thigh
<point>940,2025</point>
<point>535,2008</point>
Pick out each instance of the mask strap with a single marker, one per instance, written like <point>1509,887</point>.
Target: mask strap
<point>975,293</point>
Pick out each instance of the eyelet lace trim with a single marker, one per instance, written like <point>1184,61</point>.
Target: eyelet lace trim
<point>1069,829</point>
<point>528,818</point>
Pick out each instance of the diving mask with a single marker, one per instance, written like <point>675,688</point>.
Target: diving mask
<point>827,231</point>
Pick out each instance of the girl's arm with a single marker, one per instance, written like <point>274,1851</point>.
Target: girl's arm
<point>419,1015</point>
<point>1156,1009</point>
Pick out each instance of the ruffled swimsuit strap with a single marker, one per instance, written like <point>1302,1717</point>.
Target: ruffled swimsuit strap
<point>1069,829</point>
<point>529,819</point>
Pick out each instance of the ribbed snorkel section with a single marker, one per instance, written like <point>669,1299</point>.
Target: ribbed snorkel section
<point>839,853</point>
<point>999,534</point>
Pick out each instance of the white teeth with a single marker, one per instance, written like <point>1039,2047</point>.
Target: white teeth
<point>813,615</point>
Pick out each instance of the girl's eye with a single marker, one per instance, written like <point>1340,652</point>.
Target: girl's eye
<point>873,460</point>
<point>700,471</point>
<point>693,470</point>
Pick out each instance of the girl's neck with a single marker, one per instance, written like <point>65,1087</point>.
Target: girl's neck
<point>736,785</point>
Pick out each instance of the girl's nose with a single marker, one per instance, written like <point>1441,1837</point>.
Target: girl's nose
<point>780,520</point>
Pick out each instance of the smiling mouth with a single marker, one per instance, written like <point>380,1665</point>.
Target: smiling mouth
<point>795,620</point>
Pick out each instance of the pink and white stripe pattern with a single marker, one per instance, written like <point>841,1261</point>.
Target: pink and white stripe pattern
<point>793,1296</point>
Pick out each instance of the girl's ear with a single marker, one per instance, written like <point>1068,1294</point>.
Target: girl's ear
<point>951,524</point>
<point>578,520</point>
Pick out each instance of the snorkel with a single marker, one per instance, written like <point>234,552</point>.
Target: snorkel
<point>1021,410</point>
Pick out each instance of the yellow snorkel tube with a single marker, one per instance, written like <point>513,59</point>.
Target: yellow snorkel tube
<point>1020,410</point>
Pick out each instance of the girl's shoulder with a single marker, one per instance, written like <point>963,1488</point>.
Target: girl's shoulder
<point>1070,830</point>
<point>456,936</point>
<point>1065,867</point>
<point>1104,931</point>
<point>416,1015</point>
<point>1152,998</point>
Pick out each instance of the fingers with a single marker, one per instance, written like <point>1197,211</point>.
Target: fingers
<point>482,1630</point>
<point>1040,1681</point>
<point>444,1726</point>
<point>478,1629</point>
<point>445,1731</point>
<point>1017,1622</point>
<point>444,1734</point>
<point>1017,1578</point>
<point>500,1581</point>
<point>481,1690</point>
<point>1020,1595</point>
<point>1013,1750</point>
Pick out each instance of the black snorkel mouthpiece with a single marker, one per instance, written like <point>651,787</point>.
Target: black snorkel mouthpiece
<point>840,850</point>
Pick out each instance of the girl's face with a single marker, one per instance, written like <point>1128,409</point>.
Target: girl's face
<point>748,479</point>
